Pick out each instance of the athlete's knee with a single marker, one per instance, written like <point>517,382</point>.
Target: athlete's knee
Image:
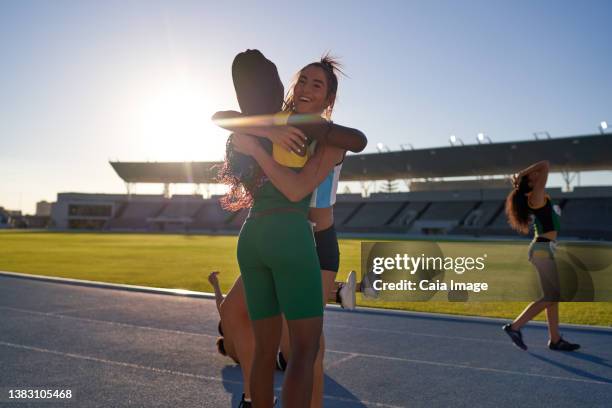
<point>303,359</point>
<point>545,302</point>
<point>305,349</point>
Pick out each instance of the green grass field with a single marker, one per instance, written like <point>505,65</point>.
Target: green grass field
<point>183,261</point>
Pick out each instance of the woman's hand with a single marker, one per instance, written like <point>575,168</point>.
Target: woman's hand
<point>516,180</point>
<point>212,278</point>
<point>288,137</point>
<point>245,144</point>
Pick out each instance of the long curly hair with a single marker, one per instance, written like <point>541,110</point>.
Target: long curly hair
<point>517,207</point>
<point>259,91</point>
<point>331,67</point>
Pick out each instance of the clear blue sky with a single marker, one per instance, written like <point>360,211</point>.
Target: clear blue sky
<point>84,82</point>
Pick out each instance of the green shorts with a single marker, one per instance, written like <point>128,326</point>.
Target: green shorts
<point>279,267</point>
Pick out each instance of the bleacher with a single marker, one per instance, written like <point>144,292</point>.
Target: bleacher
<point>588,217</point>
<point>403,221</point>
<point>135,215</point>
<point>586,213</point>
<point>455,190</point>
<point>212,217</point>
<point>373,215</point>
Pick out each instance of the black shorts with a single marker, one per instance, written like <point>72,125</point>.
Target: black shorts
<point>327,249</point>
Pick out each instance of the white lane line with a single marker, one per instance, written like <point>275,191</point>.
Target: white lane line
<point>439,336</point>
<point>342,360</point>
<point>340,326</point>
<point>60,311</point>
<point>469,367</point>
<point>211,296</point>
<point>358,402</point>
<point>356,354</point>
<point>59,315</point>
<point>411,333</point>
<point>117,363</point>
<point>165,371</point>
<point>84,319</point>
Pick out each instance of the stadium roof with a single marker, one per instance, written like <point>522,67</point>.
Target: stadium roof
<point>181,172</point>
<point>571,154</point>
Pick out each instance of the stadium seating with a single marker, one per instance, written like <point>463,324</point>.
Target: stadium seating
<point>181,208</point>
<point>442,217</point>
<point>481,216</point>
<point>587,213</point>
<point>135,215</point>
<point>345,210</point>
<point>587,218</point>
<point>373,216</point>
<point>403,221</point>
<point>212,217</point>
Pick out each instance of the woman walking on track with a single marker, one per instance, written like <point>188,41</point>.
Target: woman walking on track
<point>529,200</point>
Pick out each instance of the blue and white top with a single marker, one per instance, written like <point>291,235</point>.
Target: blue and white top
<point>324,195</point>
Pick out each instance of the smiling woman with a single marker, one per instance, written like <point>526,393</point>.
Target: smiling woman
<point>175,123</point>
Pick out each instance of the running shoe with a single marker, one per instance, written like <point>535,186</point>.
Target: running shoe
<point>563,345</point>
<point>516,336</point>
<point>244,403</point>
<point>281,363</point>
<point>347,292</point>
<point>367,286</point>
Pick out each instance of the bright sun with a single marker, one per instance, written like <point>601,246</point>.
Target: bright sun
<point>176,125</point>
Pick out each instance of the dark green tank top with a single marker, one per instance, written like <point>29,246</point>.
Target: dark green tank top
<point>269,197</point>
<point>546,218</point>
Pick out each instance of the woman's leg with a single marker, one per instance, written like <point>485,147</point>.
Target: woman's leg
<point>298,286</point>
<point>552,317</point>
<point>304,337</point>
<point>285,347</point>
<point>263,309</point>
<point>531,311</point>
<point>544,262</point>
<point>542,258</point>
<point>238,326</point>
<point>267,338</point>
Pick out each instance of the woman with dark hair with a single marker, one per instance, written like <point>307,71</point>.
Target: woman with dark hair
<point>528,200</point>
<point>276,249</point>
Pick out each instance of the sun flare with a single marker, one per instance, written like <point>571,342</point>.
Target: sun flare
<point>176,125</point>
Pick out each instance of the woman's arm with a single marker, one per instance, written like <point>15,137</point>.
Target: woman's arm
<point>294,186</point>
<point>314,126</point>
<point>214,282</point>
<point>288,137</point>
<point>538,176</point>
<point>345,138</point>
<point>541,166</point>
